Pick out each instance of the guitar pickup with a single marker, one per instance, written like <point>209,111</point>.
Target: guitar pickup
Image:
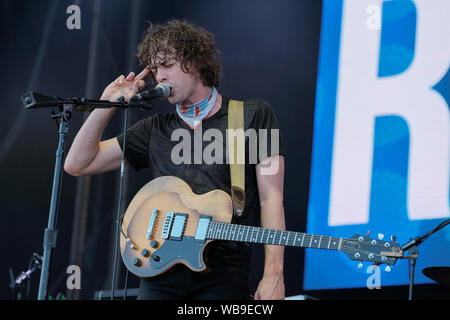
<point>202,228</point>
<point>178,226</point>
<point>167,225</point>
<point>151,224</point>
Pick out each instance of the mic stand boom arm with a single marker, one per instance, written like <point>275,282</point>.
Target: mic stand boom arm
<point>411,247</point>
<point>32,100</point>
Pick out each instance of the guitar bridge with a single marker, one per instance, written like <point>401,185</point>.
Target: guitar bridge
<point>151,224</point>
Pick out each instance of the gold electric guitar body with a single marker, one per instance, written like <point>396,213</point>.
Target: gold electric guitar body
<point>148,256</point>
<point>167,224</point>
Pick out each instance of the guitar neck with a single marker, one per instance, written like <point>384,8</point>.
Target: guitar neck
<point>235,232</point>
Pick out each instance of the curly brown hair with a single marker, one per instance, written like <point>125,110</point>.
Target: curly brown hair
<point>192,46</point>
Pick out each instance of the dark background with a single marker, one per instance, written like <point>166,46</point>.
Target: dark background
<point>269,50</point>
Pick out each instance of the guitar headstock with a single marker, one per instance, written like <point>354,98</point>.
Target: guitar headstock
<point>377,251</point>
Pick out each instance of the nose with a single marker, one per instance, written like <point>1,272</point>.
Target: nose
<point>160,75</point>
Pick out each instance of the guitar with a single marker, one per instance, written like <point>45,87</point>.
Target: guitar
<point>167,224</point>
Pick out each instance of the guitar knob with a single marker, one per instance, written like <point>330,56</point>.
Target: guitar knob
<point>137,262</point>
<point>156,258</point>
<point>145,252</point>
<point>387,269</point>
<point>154,244</point>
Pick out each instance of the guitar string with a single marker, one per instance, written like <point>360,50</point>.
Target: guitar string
<point>292,235</point>
<point>228,235</point>
<point>279,234</point>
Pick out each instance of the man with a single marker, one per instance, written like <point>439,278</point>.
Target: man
<point>186,59</point>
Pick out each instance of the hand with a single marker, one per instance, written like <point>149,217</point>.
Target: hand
<point>270,288</point>
<point>125,87</point>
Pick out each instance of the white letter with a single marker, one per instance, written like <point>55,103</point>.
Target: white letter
<point>184,146</point>
<point>235,136</point>
<point>74,280</point>
<point>362,96</point>
<point>73,21</point>
<point>374,281</point>
<point>274,149</point>
<point>198,144</point>
<point>216,146</point>
<point>374,20</point>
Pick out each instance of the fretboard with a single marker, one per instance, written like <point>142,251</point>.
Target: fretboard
<point>235,232</point>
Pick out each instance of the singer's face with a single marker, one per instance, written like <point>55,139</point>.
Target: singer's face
<point>183,85</point>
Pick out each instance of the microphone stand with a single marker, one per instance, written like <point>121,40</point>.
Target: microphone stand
<point>411,247</point>
<point>35,263</point>
<point>34,100</point>
<point>50,233</point>
<point>119,206</point>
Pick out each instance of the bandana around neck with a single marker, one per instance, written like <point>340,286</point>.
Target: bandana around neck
<point>194,114</point>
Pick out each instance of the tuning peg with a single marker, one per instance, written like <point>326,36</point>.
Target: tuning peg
<point>360,265</point>
<point>380,236</point>
<point>368,233</point>
<point>387,269</point>
<point>393,238</point>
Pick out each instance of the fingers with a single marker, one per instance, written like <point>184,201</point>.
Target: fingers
<point>138,85</point>
<point>130,77</point>
<point>136,80</point>
<point>141,84</point>
<point>120,79</point>
<point>143,74</point>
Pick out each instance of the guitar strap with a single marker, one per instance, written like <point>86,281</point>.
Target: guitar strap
<point>236,155</point>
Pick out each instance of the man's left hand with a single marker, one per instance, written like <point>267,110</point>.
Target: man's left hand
<point>271,288</point>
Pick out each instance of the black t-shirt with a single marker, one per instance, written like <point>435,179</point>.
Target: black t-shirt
<point>150,144</point>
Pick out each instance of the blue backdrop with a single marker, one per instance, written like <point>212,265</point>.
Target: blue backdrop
<point>397,23</point>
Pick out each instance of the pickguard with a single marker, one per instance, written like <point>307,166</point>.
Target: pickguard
<point>187,250</point>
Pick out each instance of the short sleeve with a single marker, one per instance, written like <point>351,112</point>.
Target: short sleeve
<point>265,122</point>
<point>137,143</point>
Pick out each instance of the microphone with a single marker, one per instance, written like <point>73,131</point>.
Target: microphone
<point>160,90</point>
